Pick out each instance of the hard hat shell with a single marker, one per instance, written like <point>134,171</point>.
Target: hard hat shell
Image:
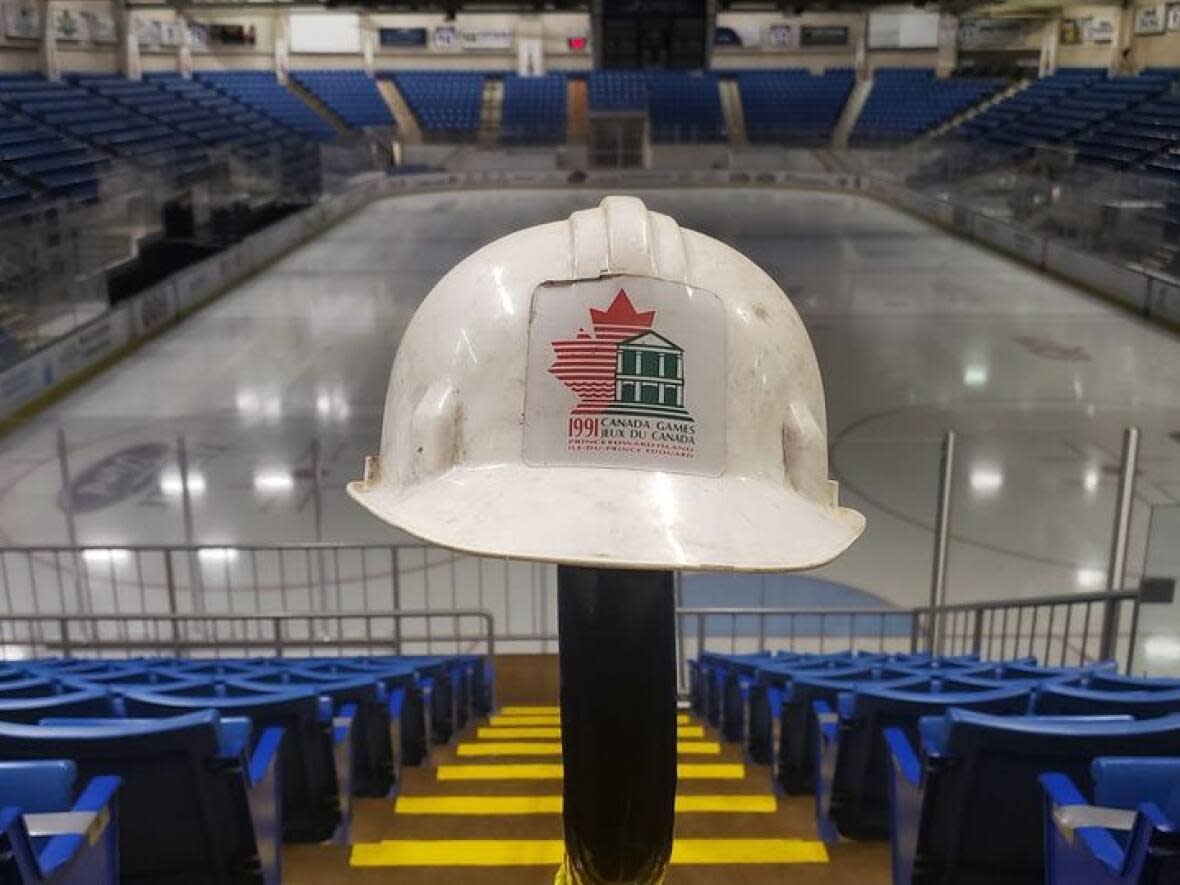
<point>610,390</point>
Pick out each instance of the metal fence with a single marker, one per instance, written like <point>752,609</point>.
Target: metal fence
<point>413,599</point>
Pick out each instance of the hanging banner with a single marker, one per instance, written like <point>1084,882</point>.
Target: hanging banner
<point>99,26</point>
<point>1098,30</point>
<point>998,33</point>
<point>487,41</point>
<point>445,37</point>
<point>1149,20</point>
<point>66,26</point>
<point>780,36</point>
<point>402,38</point>
<point>1173,17</point>
<point>826,35</point>
<point>530,57</point>
<point>22,19</point>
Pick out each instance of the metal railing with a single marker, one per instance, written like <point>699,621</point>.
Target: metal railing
<point>1069,629</point>
<point>311,633</point>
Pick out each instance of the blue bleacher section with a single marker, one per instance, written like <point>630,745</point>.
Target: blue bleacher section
<point>681,105</point>
<point>351,95</point>
<point>220,760</point>
<point>262,92</point>
<point>1139,844</point>
<point>685,107</point>
<point>617,90</point>
<point>793,104</point>
<point>534,109</point>
<point>444,103</point>
<point>905,102</point>
<point>52,834</point>
<point>946,757</point>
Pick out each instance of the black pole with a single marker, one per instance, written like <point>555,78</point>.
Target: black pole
<point>617,631</point>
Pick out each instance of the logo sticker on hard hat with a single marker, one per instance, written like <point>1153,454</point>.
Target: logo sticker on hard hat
<point>626,372</point>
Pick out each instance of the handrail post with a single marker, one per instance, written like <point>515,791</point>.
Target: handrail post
<point>1117,564</point>
<point>941,537</point>
<point>170,584</point>
<point>977,637</point>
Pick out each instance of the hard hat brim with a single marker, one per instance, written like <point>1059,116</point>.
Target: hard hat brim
<point>618,518</point>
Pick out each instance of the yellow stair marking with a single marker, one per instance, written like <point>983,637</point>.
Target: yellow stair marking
<point>531,711</point>
<point>543,771</point>
<point>500,805</point>
<point>548,852</point>
<point>519,721</point>
<point>549,748</point>
<point>492,732</point>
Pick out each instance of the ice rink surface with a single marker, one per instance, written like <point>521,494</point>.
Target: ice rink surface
<point>916,332</point>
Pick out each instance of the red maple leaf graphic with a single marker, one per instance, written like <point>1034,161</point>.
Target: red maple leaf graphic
<point>586,363</point>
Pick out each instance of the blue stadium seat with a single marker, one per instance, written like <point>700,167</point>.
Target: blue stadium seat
<point>316,756</point>
<point>80,702</point>
<point>1071,700</point>
<point>617,90</point>
<point>970,808</point>
<point>1128,835</point>
<point>196,804</point>
<point>685,106</point>
<point>905,102</point>
<point>793,104</point>
<point>534,109</point>
<point>350,94</point>
<point>1107,681</point>
<point>852,766</point>
<point>262,92</point>
<point>49,836</point>
<point>445,103</point>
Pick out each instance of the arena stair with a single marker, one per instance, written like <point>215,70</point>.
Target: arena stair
<point>731,108</point>
<point>577,110</point>
<point>407,123</point>
<point>852,108</point>
<point>488,810</point>
<point>491,109</point>
<point>313,101</point>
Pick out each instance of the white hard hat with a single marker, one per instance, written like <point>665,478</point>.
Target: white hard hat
<point>610,390</point>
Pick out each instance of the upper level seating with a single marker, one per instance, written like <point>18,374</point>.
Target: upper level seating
<point>444,102</point>
<point>685,106</point>
<point>15,198</point>
<point>100,121</point>
<point>534,109</point>
<point>1013,122</point>
<point>617,90</point>
<point>352,95</point>
<point>905,102</point>
<point>221,121</point>
<point>48,834</point>
<point>793,103</point>
<point>1134,837</point>
<point>61,165</point>
<point>261,91</point>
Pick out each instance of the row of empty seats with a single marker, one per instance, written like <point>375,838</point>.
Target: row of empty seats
<point>793,104</point>
<point>955,760</point>
<point>265,94</point>
<point>534,109</point>
<point>681,106</point>
<point>905,102</point>
<point>445,103</point>
<point>220,760</point>
<point>351,95</point>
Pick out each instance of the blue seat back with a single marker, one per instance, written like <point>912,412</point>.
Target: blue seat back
<point>1069,700</point>
<point>183,813</point>
<point>982,810</point>
<point>311,807</point>
<point>861,790</point>
<point>31,710</point>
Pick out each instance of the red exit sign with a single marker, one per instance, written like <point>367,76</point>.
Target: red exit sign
<point>578,44</point>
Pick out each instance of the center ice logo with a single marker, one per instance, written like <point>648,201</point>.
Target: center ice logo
<point>630,385</point>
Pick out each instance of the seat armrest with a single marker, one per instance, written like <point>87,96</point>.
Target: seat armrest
<point>1077,834</point>
<point>91,825</point>
<point>905,805</point>
<point>264,794</point>
<point>826,748</point>
<point>344,760</point>
<point>233,736</point>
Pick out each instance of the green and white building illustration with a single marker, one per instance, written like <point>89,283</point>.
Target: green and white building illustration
<point>649,378</point>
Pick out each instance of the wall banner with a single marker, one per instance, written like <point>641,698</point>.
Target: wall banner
<point>1149,20</point>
